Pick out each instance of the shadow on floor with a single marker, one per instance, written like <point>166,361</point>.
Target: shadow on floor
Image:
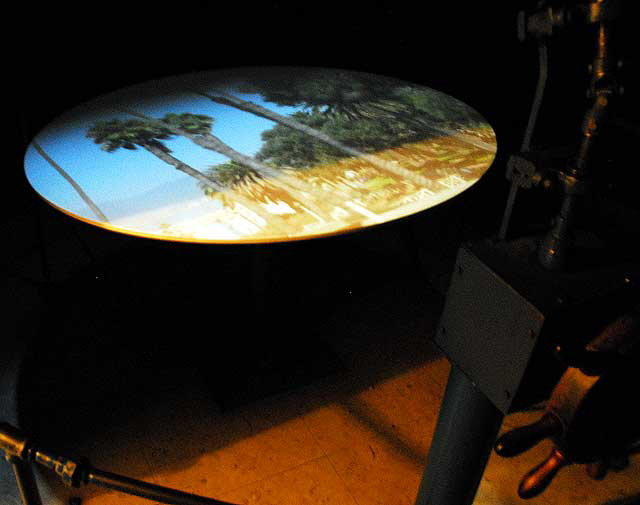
<point>628,500</point>
<point>169,346</point>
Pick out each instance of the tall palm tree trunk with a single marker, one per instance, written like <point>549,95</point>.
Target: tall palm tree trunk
<point>297,189</point>
<point>209,141</point>
<point>376,161</point>
<point>96,210</point>
<point>258,110</point>
<point>213,143</point>
<point>271,219</point>
<point>182,167</point>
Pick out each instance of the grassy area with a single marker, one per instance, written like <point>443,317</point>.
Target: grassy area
<point>368,194</point>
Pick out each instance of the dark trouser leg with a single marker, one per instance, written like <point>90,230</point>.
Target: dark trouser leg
<point>467,427</point>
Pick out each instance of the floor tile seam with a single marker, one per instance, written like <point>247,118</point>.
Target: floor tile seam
<point>326,455</point>
<point>273,475</point>
<point>329,457</point>
<point>344,483</point>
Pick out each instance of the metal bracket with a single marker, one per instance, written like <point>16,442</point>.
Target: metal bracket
<point>488,329</point>
<point>505,314</point>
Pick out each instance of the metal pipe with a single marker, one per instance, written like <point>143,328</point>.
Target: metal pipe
<point>552,252</point>
<point>554,248</point>
<point>466,430</point>
<point>145,490</point>
<point>526,141</point>
<point>20,452</point>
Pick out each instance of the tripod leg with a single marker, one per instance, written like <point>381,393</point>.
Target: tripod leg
<point>467,427</point>
<point>26,482</point>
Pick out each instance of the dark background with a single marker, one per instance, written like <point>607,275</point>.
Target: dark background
<point>62,55</point>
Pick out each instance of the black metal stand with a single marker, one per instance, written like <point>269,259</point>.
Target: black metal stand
<point>467,427</point>
<point>470,415</point>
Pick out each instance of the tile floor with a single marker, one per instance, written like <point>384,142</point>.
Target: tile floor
<point>357,437</point>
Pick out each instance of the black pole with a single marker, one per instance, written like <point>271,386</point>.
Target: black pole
<point>466,430</point>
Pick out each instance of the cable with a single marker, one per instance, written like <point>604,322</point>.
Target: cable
<point>526,141</point>
<point>537,99</point>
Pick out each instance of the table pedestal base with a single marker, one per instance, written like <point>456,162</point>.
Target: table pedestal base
<point>466,430</point>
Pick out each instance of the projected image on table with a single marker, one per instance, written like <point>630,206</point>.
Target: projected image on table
<point>255,155</point>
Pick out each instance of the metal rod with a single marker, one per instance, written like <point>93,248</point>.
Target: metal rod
<point>145,490</point>
<point>552,253</point>
<point>20,452</point>
<point>466,430</point>
<point>526,141</point>
<point>508,210</point>
<point>537,99</point>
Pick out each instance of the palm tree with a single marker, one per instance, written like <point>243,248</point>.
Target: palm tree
<point>381,164</point>
<point>115,134</point>
<point>247,182</point>
<point>232,174</point>
<point>357,95</point>
<point>401,107</point>
<point>197,128</point>
<point>100,215</point>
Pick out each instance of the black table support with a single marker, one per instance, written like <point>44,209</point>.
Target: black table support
<point>466,430</point>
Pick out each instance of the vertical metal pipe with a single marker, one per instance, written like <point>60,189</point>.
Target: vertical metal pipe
<point>552,253</point>
<point>526,141</point>
<point>554,248</point>
<point>466,430</point>
<point>506,217</point>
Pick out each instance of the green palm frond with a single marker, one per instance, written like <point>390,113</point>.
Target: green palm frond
<point>127,134</point>
<point>229,175</point>
<point>196,124</point>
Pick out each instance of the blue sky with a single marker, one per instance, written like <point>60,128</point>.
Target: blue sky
<point>123,174</point>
